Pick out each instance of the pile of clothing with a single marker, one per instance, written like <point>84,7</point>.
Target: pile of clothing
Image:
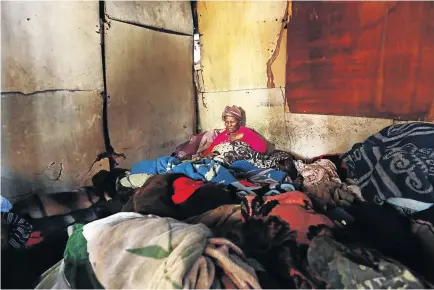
<point>239,218</point>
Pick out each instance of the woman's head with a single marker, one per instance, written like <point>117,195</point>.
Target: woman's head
<point>232,118</point>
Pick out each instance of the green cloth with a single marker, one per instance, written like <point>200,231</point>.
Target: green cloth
<point>76,248</point>
<point>78,270</point>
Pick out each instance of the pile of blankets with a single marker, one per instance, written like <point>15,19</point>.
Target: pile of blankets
<point>243,219</point>
<point>260,244</point>
<point>119,252</point>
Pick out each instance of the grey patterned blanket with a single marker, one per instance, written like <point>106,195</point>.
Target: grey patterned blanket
<point>398,161</point>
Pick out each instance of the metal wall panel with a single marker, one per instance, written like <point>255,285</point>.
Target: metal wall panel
<point>49,141</point>
<point>243,44</point>
<point>169,15</point>
<point>50,45</point>
<point>150,84</point>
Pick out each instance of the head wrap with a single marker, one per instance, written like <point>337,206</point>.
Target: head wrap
<point>232,112</point>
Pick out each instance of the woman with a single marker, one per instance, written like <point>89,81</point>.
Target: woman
<point>235,132</point>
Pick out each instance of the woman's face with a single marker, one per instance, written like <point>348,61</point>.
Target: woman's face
<point>232,124</point>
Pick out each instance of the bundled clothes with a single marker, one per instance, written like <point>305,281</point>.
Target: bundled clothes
<point>396,162</point>
<point>230,152</point>
<point>168,195</point>
<point>132,251</point>
<point>322,182</point>
<point>319,259</point>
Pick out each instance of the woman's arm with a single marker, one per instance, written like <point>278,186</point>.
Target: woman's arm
<point>219,139</point>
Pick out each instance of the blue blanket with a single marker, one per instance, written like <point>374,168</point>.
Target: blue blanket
<point>212,171</point>
<point>256,175</point>
<point>396,162</point>
<point>6,206</point>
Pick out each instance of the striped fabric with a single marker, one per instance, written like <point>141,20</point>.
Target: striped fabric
<point>19,229</point>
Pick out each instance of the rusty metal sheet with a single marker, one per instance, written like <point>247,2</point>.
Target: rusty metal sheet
<point>361,59</point>
<point>50,45</point>
<point>169,15</point>
<point>243,44</point>
<point>150,84</point>
<point>49,141</point>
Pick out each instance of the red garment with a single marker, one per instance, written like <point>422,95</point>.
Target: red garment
<point>248,136</point>
<point>34,239</point>
<point>183,188</point>
<point>247,183</point>
<point>296,209</point>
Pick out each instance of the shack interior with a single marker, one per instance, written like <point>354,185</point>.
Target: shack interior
<point>217,144</point>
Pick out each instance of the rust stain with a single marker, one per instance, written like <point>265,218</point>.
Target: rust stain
<point>270,76</point>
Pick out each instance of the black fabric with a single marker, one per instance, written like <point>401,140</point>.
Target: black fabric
<point>80,275</point>
<point>21,268</point>
<point>39,203</point>
<point>384,229</point>
<point>207,197</point>
<point>52,224</point>
<point>105,181</point>
<point>155,197</point>
<point>339,214</point>
<point>425,215</point>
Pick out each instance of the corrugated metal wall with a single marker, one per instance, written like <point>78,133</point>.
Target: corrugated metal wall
<point>52,80</point>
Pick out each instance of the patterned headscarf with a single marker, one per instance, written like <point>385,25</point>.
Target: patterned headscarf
<point>232,112</point>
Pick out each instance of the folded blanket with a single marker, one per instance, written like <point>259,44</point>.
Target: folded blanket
<point>132,251</point>
<point>398,161</point>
